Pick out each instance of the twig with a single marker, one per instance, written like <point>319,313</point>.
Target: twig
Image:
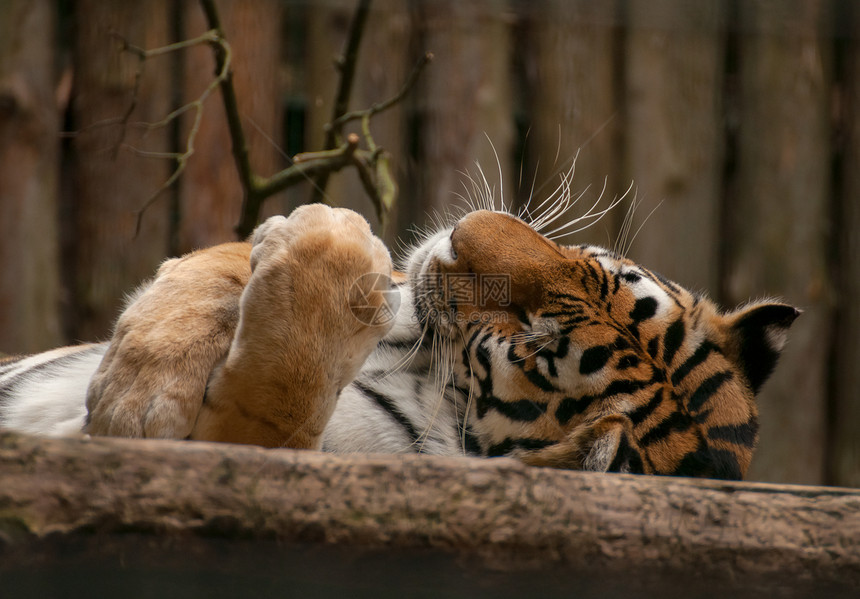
<point>222,73</point>
<point>181,161</point>
<point>142,55</point>
<point>354,115</point>
<point>309,164</point>
<point>346,66</point>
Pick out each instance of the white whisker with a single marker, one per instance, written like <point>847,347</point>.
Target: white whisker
<point>592,217</point>
<point>501,175</point>
<point>630,245</point>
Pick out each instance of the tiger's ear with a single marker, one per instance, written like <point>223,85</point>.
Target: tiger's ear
<point>757,334</point>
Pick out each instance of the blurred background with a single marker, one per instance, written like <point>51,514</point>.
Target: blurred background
<point>735,120</point>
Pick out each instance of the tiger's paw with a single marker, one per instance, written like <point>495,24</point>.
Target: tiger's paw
<point>152,379</point>
<point>316,305</point>
<point>324,265</point>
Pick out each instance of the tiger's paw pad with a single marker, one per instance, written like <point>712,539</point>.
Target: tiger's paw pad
<point>331,262</point>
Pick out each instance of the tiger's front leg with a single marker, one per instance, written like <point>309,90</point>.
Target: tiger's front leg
<point>308,320</point>
<point>605,445</point>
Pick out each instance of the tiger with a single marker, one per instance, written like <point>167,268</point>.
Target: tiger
<point>490,339</point>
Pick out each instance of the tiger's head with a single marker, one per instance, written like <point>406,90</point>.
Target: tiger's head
<point>575,357</point>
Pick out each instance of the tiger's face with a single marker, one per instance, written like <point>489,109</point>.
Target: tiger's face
<point>576,357</point>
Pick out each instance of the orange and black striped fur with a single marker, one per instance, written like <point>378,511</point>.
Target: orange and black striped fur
<point>504,343</point>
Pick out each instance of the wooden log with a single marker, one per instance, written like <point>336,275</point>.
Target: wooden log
<point>675,54</point>
<point>29,169</point>
<point>777,241</point>
<point>105,513</point>
<point>573,109</point>
<point>844,443</point>
<point>112,182</point>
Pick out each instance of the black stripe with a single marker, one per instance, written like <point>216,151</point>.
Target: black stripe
<point>639,415</point>
<point>628,361</point>
<point>653,347</point>
<point>707,390</point>
<point>522,315</point>
<point>387,404</point>
<point>604,285</point>
<point>572,321</point>
<point>699,356</point>
<point>472,446</point>
<point>675,422</point>
<point>572,406</point>
<point>575,299</point>
<point>539,380</point>
<point>725,465</point>
<point>643,309</point>
<point>657,277</point>
<point>472,338</point>
<point>562,348</point>
<point>521,410</point>
<point>624,387</point>
<point>626,455</point>
<point>741,434</point>
<point>549,358</point>
<point>672,340</point>
<point>509,445</point>
<point>621,343</point>
<point>513,358</point>
<point>594,359</point>
<point>709,462</point>
<point>482,354</point>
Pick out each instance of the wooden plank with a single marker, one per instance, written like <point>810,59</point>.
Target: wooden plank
<point>572,107</point>
<point>112,182</point>
<point>844,454</point>
<point>29,147</point>
<point>674,131</point>
<point>210,196</point>
<point>465,97</point>
<point>168,513</point>
<point>777,241</point>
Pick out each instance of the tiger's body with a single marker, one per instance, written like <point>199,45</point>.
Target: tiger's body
<point>575,358</point>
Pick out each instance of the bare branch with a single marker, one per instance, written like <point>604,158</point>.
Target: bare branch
<point>212,37</point>
<point>347,73</point>
<point>372,164</point>
<point>339,122</point>
<point>234,120</point>
<point>307,165</point>
<point>208,37</point>
<point>142,55</point>
<point>181,161</point>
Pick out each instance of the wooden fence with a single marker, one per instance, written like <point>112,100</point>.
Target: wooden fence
<point>737,122</point>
